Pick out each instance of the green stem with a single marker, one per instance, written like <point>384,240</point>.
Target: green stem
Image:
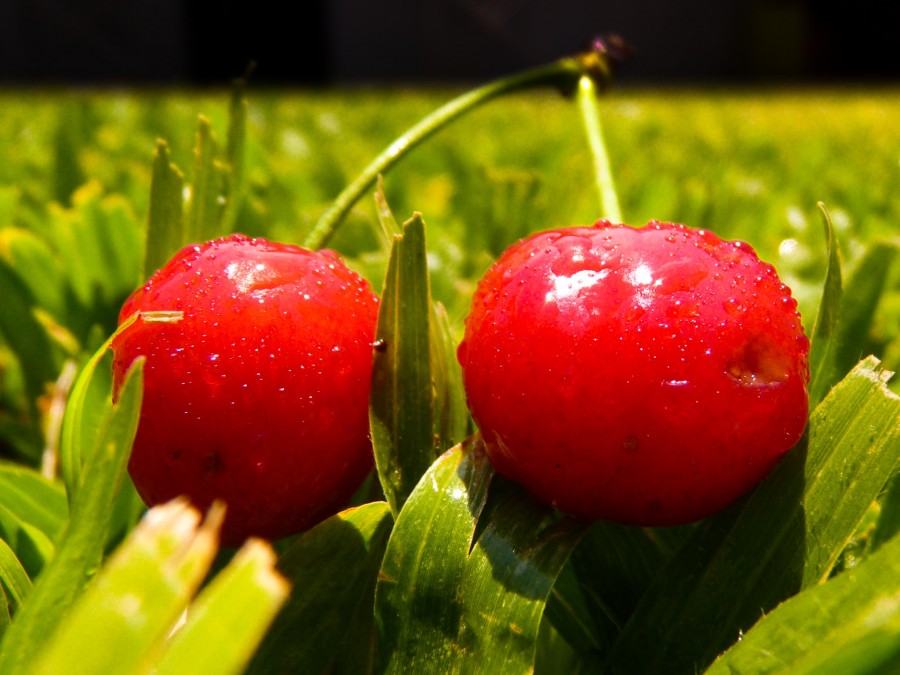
<point>563,74</point>
<point>590,113</point>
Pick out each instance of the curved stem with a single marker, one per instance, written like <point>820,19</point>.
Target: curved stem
<point>563,74</point>
<point>587,103</point>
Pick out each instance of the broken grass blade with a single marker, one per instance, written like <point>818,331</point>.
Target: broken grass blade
<point>227,621</point>
<point>138,597</point>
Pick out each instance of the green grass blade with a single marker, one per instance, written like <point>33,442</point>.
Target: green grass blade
<point>31,545</point>
<point>612,568</point>
<point>34,262</point>
<point>73,133</point>
<point>386,219</point>
<point>416,608</point>
<point>402,404</point>
<point>116,248</point>
<point>824,340</point>
<point>205,207</point>
<point>327,624</point>
<point>568,613</point>
<point>443,605</point>
<point>14,581</point>
<point>786,536</point>
<point>851,624</point>
<point>508,578</point>
<point>235,150</point>
<point>854,449</point>
<point>82,542</point>
<point>165,222</point>
<point>888,524</point>
<point>86,413</point>
<point>451,415</point>
<point>5,613</point>
<point>25,336</point>
<point>136,599</point>
<point>229,617</point>
<point>33,498</point>
<point>862,295</point>
<point>99,243</point>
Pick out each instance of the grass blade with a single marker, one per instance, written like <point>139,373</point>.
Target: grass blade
<point>824,347</point>
<point>25,336</point>
<point>235,155</point>
<point>416,610</point>
<point>204,208</point>
<point>327,624</point>
<point>402,405</point>
<point>82,542</point>
<point>86,413</point>
<point>386,219</point>
<point>508,577</point>
<point>612,567</point>
<point>31,545</point>
<point>5,614</point>
<point>33,498</point>
<point>451,415</point>
<point>14,581</point>
<point>165,222</point>
<point>465,579</point>
<point>229,617</point>
<point>32,259</point>
<point>851,624</point>
<point>137,598</point>
<point>790,532</point>
<point>861,298</point>
<point>888,523</point>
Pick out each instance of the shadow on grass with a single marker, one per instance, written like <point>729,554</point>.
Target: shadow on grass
<point>732,569</point>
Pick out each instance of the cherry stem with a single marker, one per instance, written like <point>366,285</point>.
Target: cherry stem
<point>590,114</point>
<point>563,74</point>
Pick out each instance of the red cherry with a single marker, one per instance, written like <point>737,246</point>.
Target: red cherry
<point>647,375</point>
<point>259,396</point>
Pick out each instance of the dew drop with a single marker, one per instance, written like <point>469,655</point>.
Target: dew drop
<point>733,306</point>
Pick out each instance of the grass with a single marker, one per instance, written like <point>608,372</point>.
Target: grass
<point>754,165</point>
<point>748,165</point>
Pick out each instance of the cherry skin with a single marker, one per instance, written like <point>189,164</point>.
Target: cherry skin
<point>647,376</point>
<point>258,396</point>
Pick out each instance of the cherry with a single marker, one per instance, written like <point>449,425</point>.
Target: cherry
<point>258,395</point>
<point>647,375</point>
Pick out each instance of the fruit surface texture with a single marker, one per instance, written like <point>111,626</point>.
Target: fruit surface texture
<point>648,376</point>
<point>258,395</point>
